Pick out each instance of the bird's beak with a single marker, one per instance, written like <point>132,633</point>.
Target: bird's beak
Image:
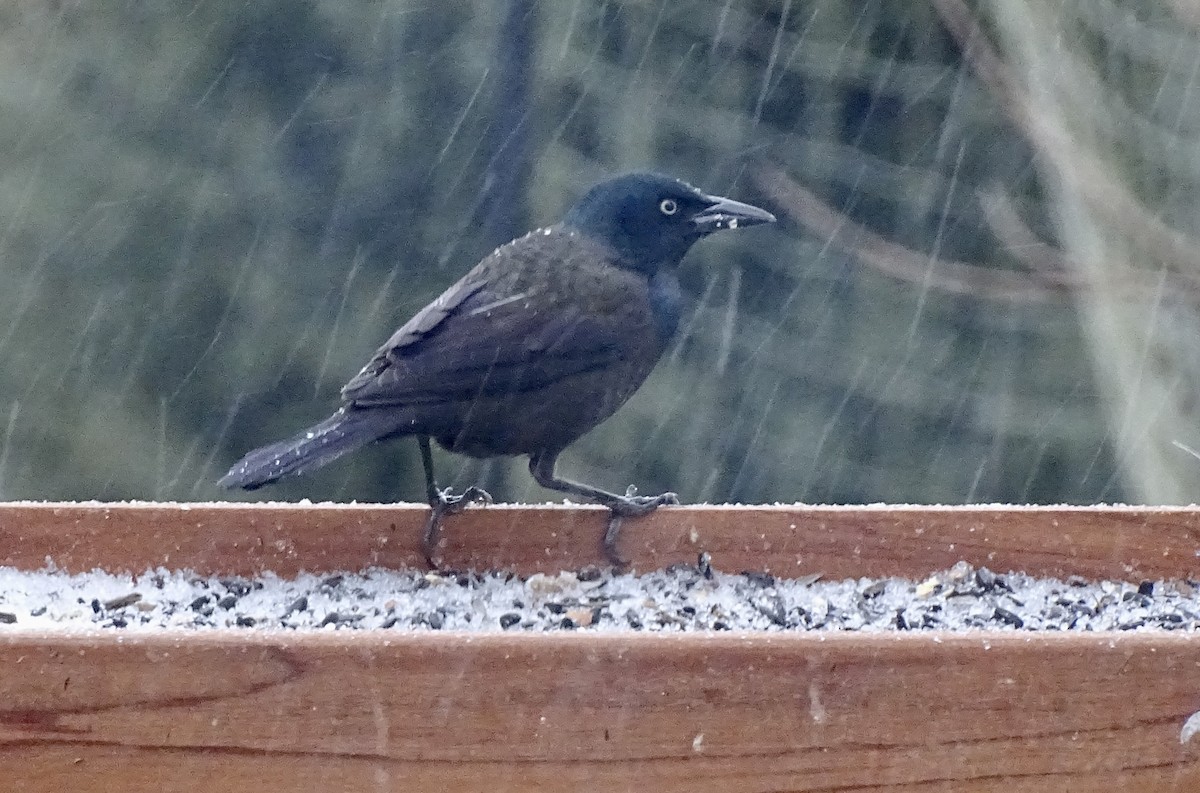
<point>725,213</point>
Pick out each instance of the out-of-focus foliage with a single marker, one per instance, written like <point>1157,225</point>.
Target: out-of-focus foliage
<point>210,216</point>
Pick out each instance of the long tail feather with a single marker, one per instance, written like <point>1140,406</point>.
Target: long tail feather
<point>322,443</point>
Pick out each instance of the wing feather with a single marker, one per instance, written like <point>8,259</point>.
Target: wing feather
<point>472,342</point>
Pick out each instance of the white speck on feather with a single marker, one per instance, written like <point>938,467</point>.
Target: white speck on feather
<point>486,307</point>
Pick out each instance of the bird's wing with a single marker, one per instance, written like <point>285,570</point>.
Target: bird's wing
<point>470,342</point>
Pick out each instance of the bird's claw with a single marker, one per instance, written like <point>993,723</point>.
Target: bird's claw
<point>447,504</point>
<point>629,505</point>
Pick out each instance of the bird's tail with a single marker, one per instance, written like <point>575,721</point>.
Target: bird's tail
<point>343,432</point>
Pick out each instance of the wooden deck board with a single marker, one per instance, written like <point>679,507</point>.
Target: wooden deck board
<point>372,711</point>
<point>1130,543</point>
<point>260,711</point>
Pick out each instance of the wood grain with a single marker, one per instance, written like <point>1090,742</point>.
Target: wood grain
<point>1131,543</point>
<point>374,711</point>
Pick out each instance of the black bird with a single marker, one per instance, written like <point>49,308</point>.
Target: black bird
<point>540,342</point>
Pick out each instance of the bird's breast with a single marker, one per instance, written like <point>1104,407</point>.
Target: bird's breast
<point>666,304</point>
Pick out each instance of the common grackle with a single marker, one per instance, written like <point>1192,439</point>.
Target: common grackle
<point>540,342</point>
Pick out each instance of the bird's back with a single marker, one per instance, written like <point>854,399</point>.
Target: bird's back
<point>542,340</point>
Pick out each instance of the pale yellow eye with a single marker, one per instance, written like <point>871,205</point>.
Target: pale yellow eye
<point>668,206</point>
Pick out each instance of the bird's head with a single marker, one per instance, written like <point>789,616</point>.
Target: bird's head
<point>651,220</point>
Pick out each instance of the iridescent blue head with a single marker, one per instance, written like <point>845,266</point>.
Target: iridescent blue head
<point>651,220</point>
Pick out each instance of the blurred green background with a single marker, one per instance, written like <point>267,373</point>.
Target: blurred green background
<point>982,287</point>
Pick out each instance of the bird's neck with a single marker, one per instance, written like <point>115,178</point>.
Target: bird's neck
<point>666,303</point>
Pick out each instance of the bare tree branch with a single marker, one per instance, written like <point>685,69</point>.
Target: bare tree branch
<point>1177,250</point>
<point>897,261</point>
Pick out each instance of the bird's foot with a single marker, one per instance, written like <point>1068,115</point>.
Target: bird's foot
<point>447,504</point>
<point>628,506</point>
<point>631,504</point>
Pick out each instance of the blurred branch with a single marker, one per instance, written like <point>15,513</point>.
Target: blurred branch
<point>1037,254</point>
<point>806,209</point>
<point>1018,239</point>
<point>1168,49</point>
<point>1171,53</point>
<point>507,144</point>
<point>1186,11</point>
<point>1103,194</point>
<point>1058,83</point>
<point>845,165</point>
<point>1051,270</point>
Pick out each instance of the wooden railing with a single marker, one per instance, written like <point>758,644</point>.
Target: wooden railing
<point>249,710</point>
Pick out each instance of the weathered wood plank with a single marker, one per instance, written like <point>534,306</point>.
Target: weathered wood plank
<point>264,712</point>
<point>245,539</point>
<point>374,711</point>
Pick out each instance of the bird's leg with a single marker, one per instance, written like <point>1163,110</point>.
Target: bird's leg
<point>442,503</point>
<point>628,505</point>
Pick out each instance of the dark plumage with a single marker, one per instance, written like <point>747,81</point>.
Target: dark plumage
<point>540,342</point>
